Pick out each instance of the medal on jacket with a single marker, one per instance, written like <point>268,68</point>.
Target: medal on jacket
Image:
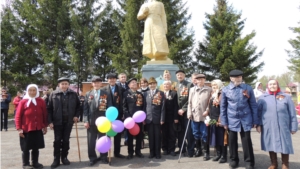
<point>103,103</point>
<point>118,100</point>
<point>184,92</point>
<point>156,99</point>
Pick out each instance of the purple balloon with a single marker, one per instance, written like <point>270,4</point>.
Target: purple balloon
<point>129,123</point>
<point>117,126</point>
<point>139,116</point>
<point>103,144</point>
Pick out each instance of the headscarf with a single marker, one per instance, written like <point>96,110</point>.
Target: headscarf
<point>31,99</point>
<point>278,88</point>
<point>220,87</point>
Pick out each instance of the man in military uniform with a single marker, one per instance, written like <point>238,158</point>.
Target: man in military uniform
<point>133,101</point>
<point>63,110</point>
<point>96,102</point>
<point>116,95</point>
<point>155,109</point>
<point>168,132</point>
<point>183,88</point>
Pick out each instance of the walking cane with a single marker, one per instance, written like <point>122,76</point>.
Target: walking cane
<point>77,142</point>
<point>187,127</point>
<point>109,157</point>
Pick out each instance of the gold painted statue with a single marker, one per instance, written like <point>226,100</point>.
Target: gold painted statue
<point>155,44</point>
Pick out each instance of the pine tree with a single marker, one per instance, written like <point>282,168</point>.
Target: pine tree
<point>179,37</point>
<point>294,55</point>
<point>83,37</point>
<point>109,42</point>
<point>130,58</point>
<point>25,64</point>
<point>224,48</point>
<point>50,23</point>
<point>7,43</point>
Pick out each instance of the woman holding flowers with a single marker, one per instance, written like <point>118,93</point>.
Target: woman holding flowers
<point>217,131</point>
<point>278,121</point>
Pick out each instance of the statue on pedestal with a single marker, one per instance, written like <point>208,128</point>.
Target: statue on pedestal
<point>155,44</point>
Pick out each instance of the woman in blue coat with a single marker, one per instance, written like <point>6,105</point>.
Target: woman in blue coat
<point>278,121</point>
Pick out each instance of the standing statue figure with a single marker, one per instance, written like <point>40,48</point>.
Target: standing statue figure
<point>155,42</point>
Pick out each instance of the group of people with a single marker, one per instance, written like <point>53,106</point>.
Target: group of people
<point>196,115</point>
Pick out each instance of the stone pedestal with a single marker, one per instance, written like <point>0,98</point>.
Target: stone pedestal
<point>156,70</point>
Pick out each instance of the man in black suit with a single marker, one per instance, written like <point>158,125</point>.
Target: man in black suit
<point>116,95</point>
<point>155,109</point>
<point>122,83</point>
<point>183,88</point>
<point>133,101</point>
<point>96,102</point>
<point>171,117</point>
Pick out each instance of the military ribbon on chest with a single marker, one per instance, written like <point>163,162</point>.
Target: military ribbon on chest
<point>156,99</point>
<point>103,103</point>
<point>184,91</point>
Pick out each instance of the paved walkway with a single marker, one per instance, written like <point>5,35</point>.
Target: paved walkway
<point>11,154</point>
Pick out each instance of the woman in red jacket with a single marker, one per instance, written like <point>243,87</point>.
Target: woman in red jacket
<point>31,123</point>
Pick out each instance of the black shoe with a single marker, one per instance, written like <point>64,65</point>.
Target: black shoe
<point>223,160</point>
<point>234,164</point>
<point>119,156</point>
<point>206,157</point>
<point>151,156</point>
<point>37,166</point>
<point>158,157</point>
<point>173,153</point>
<point>65,161</point>
<point>190,155</point>
<point>92,163</point>
<point>130,156</point>
<point>125,143</point>
<point>140,155</point>
<point>55,163</point>
<point>104,161</point>
<point>165,153</point>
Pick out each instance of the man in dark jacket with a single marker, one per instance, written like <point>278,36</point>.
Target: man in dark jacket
<point>5,100</point>
<point>116,95</point>
<point>171,108</point>
<point>133,101</point>
<point>155,109</point>
<point>183,88</point>
<point>122,83</point>
<point>96,102</point>
<point>63,110</point>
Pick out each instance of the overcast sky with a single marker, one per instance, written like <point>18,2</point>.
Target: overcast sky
<point>270,19</point>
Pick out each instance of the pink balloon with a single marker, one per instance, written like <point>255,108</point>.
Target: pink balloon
<point>117,126</point>
<point>139,116</point>
<point>103,144</point>
<point>129,123</point>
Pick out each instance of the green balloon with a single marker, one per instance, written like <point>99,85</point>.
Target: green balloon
<point>111,133</point>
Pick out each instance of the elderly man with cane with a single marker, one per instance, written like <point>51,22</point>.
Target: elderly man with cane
<point>63,110</point>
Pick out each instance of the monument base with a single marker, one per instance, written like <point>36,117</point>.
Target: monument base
<point>160,62</point>
<point>157,71</point>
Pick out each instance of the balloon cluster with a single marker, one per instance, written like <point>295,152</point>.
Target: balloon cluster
<point>111,127</point>
<point>130,123</point>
